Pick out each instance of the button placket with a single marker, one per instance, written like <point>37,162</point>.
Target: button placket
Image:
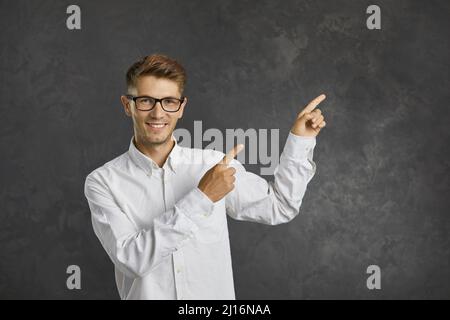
<point>178,259</point>
<point>180,280</point>
<point>168,190</point>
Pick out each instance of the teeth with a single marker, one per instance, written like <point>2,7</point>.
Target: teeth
<point>154,125</point>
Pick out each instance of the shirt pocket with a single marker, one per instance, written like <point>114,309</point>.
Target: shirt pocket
<point>212,228</point>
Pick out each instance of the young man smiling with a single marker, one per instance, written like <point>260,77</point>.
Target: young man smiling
<point>161,215</point>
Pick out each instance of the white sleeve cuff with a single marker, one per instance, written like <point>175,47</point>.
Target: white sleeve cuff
<point>196,203</point>
<point>298,147</point>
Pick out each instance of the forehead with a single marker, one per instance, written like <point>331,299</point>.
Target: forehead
<point>157,87</point>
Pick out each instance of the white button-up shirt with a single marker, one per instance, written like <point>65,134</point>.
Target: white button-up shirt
<point>166,238</point>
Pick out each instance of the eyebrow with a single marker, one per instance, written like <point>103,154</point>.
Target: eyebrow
<point>145,95</point>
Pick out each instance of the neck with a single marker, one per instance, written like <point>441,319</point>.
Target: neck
<point>158,152</point>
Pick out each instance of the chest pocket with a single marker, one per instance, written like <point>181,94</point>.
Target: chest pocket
<point>212,228</point>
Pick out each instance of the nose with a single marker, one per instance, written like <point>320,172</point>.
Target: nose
<point>157,111</point>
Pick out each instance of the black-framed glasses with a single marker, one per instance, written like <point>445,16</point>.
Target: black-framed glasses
<point>147,103</point>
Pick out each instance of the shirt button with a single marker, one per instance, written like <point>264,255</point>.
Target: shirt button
<point>178,270</point>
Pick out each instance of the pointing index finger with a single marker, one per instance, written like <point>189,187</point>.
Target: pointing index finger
<point>310,107</point>
<point>232,153</point>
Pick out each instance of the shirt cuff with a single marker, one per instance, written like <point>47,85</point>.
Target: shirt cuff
<point>196,203</point>
<point>298,146</point>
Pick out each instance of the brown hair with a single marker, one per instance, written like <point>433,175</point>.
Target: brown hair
<point>158,65</point>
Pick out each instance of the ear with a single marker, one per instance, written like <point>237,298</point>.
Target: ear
<point>180,112</point>
<point>126,105</point>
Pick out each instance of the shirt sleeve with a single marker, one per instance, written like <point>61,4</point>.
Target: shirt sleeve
<point>255,199</point>
<point>135,252</point>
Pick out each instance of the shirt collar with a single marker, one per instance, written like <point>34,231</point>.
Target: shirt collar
<point>148,164</point>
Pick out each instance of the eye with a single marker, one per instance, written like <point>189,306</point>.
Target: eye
<point>170,101</point>
<point>145,101</point>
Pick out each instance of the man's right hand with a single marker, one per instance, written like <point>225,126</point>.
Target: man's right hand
<point>218,181</point>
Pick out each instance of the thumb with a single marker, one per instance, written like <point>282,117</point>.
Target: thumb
<point>231,154</point>
<point>305,117</point>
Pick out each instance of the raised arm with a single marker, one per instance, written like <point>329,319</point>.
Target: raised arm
<point>279,201</point>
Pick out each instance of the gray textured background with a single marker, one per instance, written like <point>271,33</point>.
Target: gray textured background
<point>381,191</point>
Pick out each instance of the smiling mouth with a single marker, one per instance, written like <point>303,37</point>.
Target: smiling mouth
<point>156,125</point>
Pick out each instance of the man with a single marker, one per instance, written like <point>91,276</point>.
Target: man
<point>159,210</point>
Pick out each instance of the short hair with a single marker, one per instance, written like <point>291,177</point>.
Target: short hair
<point>157,65</point>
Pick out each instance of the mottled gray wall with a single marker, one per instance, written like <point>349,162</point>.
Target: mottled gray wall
<point>381,193</point>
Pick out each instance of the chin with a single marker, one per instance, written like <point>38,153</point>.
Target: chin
<point>157,139</point>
